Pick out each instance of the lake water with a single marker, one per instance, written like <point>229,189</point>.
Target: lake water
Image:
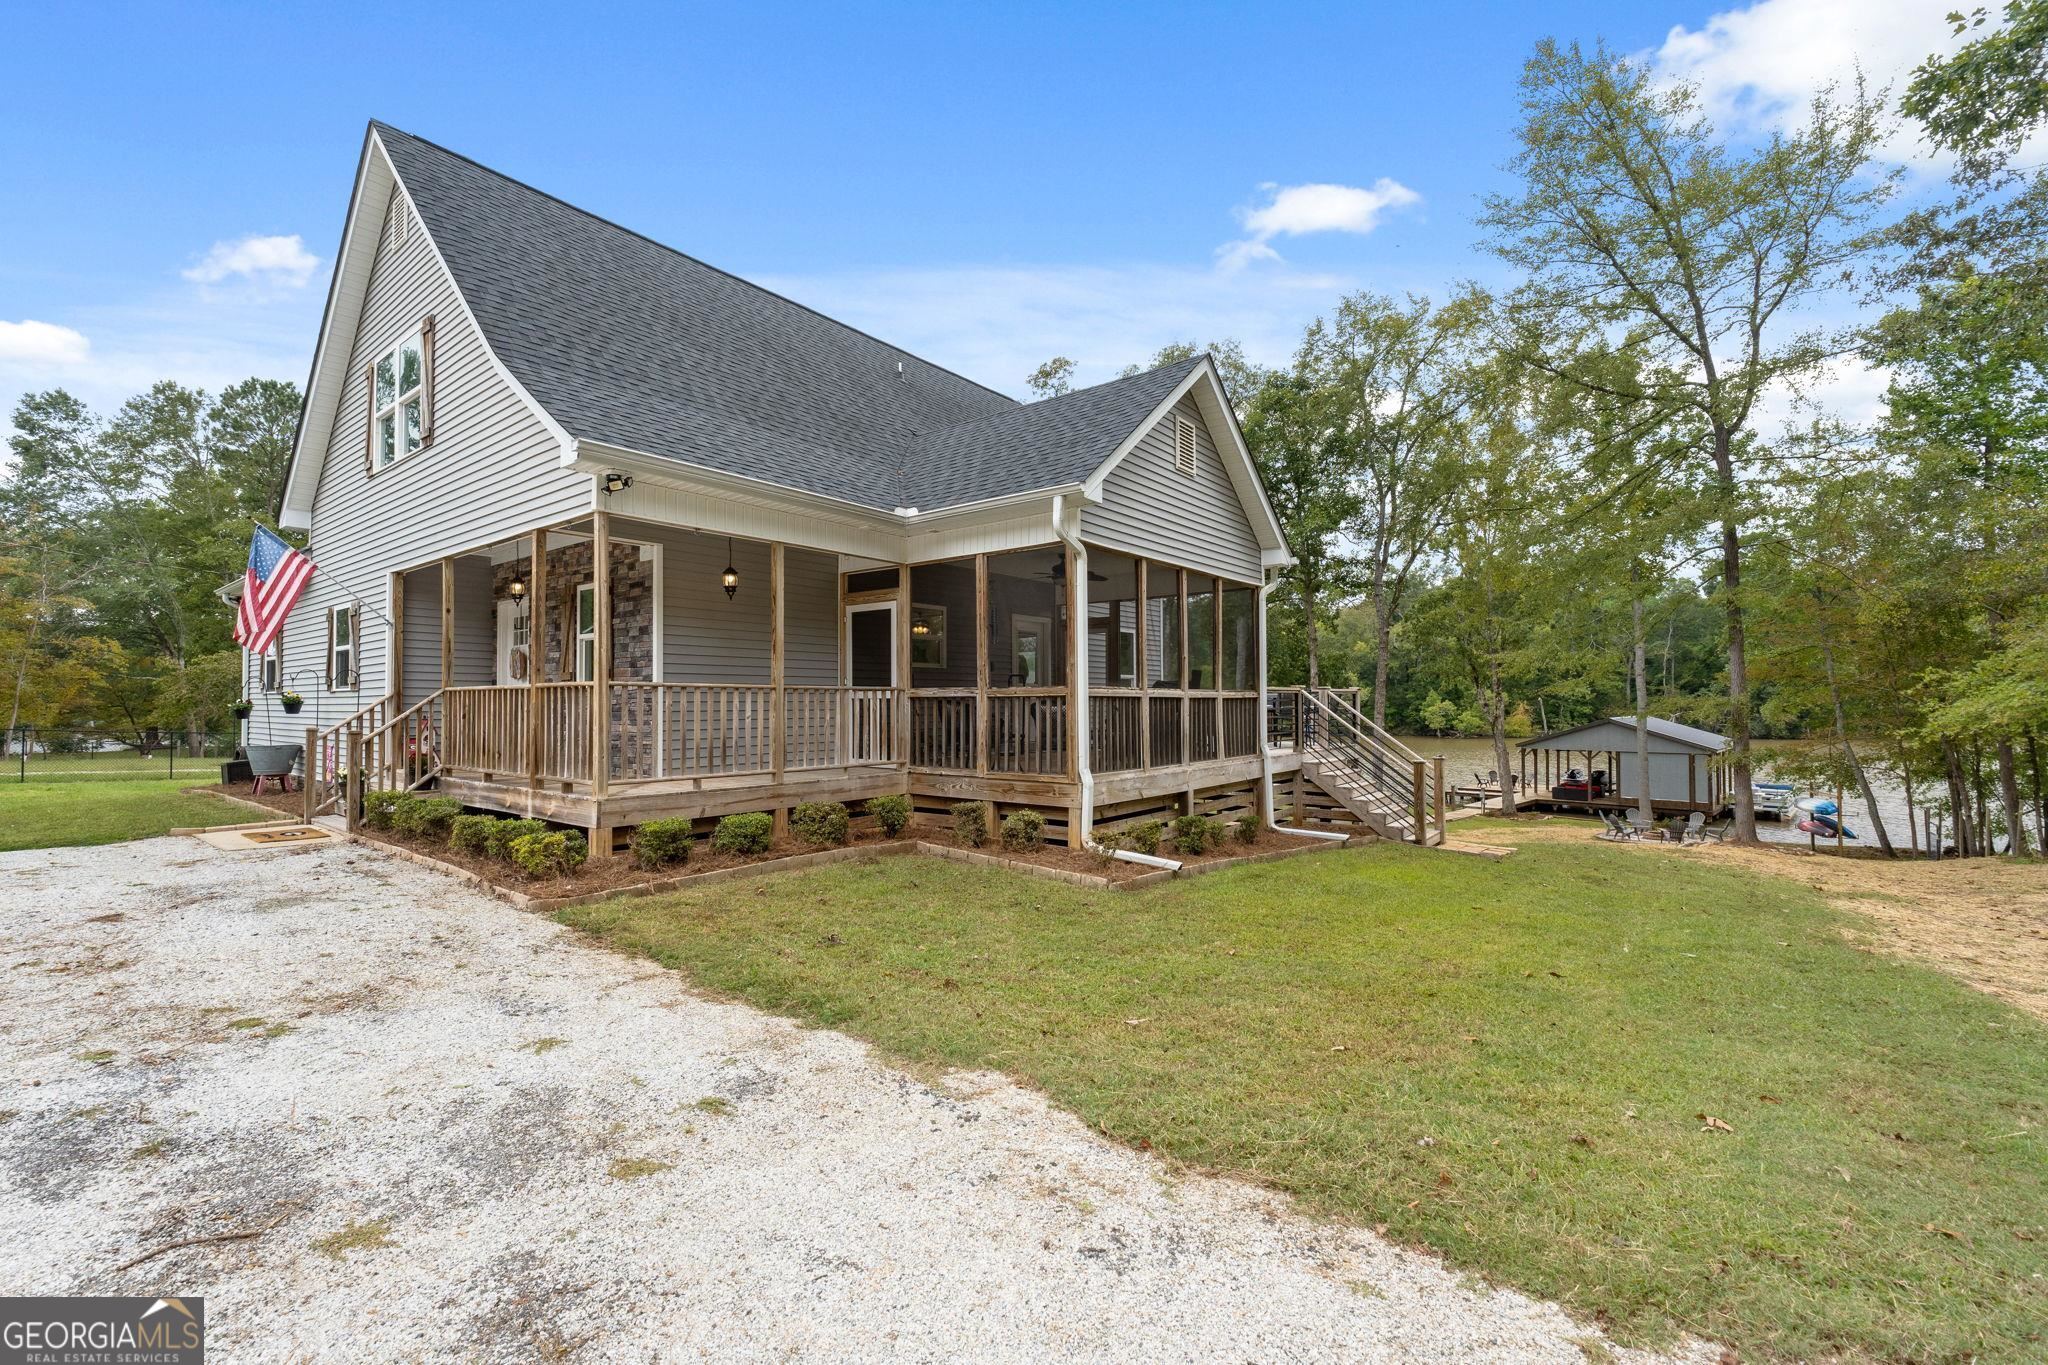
<point>1465,757</point>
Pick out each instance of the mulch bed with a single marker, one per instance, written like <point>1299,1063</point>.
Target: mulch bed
<point>603,877</point>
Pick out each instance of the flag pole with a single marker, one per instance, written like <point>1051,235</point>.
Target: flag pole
<point>346,586</point>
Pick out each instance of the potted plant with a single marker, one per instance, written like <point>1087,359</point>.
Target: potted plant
<point>242,709</point>
<point>291,701</point>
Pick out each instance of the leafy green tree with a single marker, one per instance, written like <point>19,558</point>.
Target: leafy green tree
<point>1053,378</point>
<point>1290,426</point>
<point>1406,376</point>
<point>1642,232</point>
<point>1983,101</point>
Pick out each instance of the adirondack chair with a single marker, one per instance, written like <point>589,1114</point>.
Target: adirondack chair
<point>1617,829</point>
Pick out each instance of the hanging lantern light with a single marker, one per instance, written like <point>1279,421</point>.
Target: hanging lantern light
<point>731,577</point>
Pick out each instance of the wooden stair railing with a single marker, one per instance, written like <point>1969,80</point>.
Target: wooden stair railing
<point>374,750</point>
<point>327,753</point>
<point>1391,789</point>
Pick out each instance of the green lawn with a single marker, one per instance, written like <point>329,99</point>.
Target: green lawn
<point>54,814</point>
<point>1503,1061</point>
<point>113,765</point>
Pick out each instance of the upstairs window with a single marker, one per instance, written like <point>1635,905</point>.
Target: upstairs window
<point>402,398</point>
<point>1184,446</point>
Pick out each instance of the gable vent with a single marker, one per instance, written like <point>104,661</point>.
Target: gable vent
<point>394,236</point>
<point>1184,445</point>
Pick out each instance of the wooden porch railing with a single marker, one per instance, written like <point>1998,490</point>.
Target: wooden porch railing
<point>1027,730</point>
<point>666,731</point>
<point>942,729</point>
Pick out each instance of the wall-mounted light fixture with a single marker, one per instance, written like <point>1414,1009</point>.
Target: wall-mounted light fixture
<point>616,483</point>
<point>731,577</point>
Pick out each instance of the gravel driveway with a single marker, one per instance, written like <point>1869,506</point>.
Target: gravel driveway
<point>459,1131</point>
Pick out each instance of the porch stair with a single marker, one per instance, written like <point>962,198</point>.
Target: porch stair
<point>397,750</point>
<point>1389,788</point>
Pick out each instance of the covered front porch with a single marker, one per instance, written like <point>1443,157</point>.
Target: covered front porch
<point>702,675</point>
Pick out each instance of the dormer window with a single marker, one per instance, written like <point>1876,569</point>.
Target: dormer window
<point>402,399</point>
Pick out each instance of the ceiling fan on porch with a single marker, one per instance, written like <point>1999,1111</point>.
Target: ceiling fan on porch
<point>1058,572</point>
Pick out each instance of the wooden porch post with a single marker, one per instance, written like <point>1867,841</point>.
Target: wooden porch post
<point>601,678</point>
<point>981,665</point>
<point>1421,807</point>
<point>1187,696</point>
<point>536,647</point>
<point>398,641</point>
<point>903,661</point>
<point>1077,685</point>
<point>1216,656</point>
<point>309,765</point>
<point>447,623</point>
<point>1140,667</point>
<point>778,727</point>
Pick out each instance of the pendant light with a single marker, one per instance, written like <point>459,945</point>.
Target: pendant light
<point>731,577</point>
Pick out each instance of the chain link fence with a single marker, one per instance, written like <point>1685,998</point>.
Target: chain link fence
<point>52,754</point>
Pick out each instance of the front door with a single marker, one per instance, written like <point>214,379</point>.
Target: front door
<point>871,645</point>
<point>1030,651</point>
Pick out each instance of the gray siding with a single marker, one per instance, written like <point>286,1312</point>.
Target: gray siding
<point>1149,507</point>
<point>493,471</point>
<point>706,637</point>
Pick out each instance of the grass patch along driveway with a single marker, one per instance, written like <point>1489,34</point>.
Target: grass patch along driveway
<point>1669,1093</point>
<point>58,814</point>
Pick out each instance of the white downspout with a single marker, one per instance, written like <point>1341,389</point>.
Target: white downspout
<point>1265,752</point>
<point>1077,645</point>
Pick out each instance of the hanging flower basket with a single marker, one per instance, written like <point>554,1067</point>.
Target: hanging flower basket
<point>243,708</point>
<point>291,702</point>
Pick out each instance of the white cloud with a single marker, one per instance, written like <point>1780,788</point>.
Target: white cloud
<point>1293,210</point>
<point>267,260</point>
<point>1758,68</point>
<point>996,323</point>
<point>33,345</point>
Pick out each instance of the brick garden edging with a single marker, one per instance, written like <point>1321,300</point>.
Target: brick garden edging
<point>894,848</point>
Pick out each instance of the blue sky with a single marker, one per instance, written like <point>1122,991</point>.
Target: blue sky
<point>985,186</point>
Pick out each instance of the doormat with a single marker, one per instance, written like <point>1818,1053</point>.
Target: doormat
<point>274,836</point>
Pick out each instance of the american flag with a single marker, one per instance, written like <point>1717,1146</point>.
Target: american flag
<point>277,575</point>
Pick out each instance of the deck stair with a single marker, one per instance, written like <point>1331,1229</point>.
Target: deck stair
<point>1391,789</point>
<point>381,747</point>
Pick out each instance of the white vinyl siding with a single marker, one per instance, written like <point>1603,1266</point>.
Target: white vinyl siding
<point>491,471</point>
<point>1150,507</point>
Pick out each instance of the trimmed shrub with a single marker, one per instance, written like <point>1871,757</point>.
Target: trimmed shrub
<point>1023,830</point>
<point>426,816</point>
<point>503,832</point>
<point>970,823</point>
<point>821,822</point>
<point>1194,834</point>
<point>549,855</point>
<point>744,834</point>
<point>378,807</point>
<point>663,843</point>
<point>472,833</point>
<point>1108,842</point>
<point>1246,827</point>
<point>892,813</point>
<point>1143,837</point>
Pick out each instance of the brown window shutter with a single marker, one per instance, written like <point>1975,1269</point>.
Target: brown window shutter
<point>370,418</point>
<point>329,666</point>
<point>355,647</point>
<point>427,381</point>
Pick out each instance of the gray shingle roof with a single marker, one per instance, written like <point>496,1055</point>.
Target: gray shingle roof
<point>631,343</point>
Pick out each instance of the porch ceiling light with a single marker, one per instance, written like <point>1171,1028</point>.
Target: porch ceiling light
<point>516,589</point>
<point>920,628</point>
<point>731,577</point>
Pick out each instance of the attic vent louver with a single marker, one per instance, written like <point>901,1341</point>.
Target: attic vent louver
<point>1184,445</point>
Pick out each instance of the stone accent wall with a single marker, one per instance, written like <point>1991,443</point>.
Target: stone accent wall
<point>632,608</point>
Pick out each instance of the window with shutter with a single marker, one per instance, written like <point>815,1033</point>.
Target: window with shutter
<point>341,648</point>
<point>1184,446</point>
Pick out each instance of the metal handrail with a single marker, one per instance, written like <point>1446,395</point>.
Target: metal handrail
<point>1360,756</point>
